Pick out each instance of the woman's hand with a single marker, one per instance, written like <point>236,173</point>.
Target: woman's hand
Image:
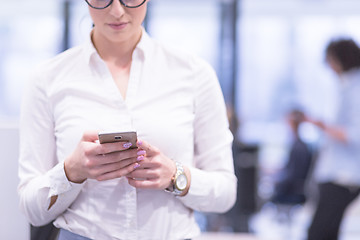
<point>100,161</point>
<point>337,133</point>
<point>155,171</point>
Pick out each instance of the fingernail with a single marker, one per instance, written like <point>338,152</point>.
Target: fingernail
<point>136,165</point>
<point>140,158</point>
<point>139,142</point>
<point>127,145</point>
<point>141,152</point>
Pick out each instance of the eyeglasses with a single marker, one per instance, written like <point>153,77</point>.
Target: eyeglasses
<point>101,4</point>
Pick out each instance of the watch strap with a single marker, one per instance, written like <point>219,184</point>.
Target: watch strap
<point>172,188</point>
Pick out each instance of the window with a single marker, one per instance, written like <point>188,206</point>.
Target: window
<point>30,32</point>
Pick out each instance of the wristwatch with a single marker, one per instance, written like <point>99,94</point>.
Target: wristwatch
<point>178,181</point>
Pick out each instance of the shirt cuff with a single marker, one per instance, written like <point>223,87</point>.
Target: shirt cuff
<point>210,191</point>
<point>58,181</point>
<point>197,189</point>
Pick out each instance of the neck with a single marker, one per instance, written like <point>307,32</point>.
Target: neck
<point>119,52</point>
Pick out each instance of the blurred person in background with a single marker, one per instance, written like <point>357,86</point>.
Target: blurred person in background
<point>337,169</point>
<point>289,188</point>
<point>122,80</point>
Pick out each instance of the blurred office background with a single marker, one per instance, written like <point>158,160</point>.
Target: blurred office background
<point>269,56</point>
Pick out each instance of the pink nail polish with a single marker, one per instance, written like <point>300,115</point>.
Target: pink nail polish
<point>141,152</point>
<point>127,145</point>
<point>136,165</point>
<point>140,158</point>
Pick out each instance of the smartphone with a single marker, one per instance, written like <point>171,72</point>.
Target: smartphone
<point>109,137</point>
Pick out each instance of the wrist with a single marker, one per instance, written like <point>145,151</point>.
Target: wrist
<point>188,175</point>
<point>69,176</point>
<point>180,181</point>
<point>171,180</point>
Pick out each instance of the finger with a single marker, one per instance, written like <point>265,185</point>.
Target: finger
<point>117,156</point>
<point>150,150</point>
<point>111,167</point>
<point>106,148</point>
<point>118,173</point>
<point>143,173</point>
<point>141,154</point>
<point>143,183</point>
<point>143,144</point>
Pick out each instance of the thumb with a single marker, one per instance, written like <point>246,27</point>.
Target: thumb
<point>90,136</point>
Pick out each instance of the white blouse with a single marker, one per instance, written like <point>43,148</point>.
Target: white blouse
<point>173,101</point>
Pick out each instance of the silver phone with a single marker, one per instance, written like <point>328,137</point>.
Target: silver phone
<point>109,137</point>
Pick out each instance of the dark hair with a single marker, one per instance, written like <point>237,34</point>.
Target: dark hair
<point>346,51</point>
<point>297,116</point>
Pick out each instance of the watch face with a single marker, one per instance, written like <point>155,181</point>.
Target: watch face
<point>181,182</point>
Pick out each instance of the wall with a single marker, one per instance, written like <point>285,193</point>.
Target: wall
<point>13,224</point>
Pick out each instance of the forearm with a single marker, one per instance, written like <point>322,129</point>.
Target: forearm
<point>334,132</point>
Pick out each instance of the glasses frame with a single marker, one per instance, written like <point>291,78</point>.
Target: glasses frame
<point>111,1</point>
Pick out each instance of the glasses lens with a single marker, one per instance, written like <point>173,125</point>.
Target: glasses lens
<point>133,3</point>
<point>98,3</point>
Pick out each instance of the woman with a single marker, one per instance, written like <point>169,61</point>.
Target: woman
<point>338,167</point>
<point>122,80</point>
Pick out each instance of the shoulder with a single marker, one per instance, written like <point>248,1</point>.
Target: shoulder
<point>181,57</point>
<point>353,79</point>
<point>58,65</point>
<point>62,60</point>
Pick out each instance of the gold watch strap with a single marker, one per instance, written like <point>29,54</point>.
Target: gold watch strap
<point>179,171</point>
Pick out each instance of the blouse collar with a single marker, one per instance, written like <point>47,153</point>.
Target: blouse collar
<point>142,49</point>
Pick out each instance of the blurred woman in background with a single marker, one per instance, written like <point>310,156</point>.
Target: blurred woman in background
<point>337,169</point>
